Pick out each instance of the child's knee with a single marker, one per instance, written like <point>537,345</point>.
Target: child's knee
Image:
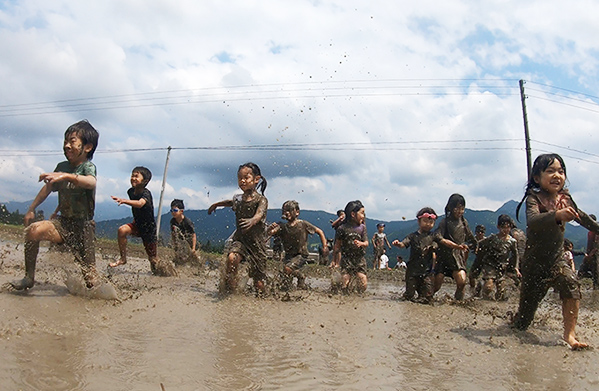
<point>123,231</point>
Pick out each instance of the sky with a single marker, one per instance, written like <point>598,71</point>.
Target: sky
<point>396,103</point>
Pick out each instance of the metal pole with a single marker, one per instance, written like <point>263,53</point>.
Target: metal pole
<point>526,134</point>
<point>168,155</point>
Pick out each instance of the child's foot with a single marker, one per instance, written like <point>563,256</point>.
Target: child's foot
<point>574,344</point>
<point>164,268</point>
<point>23,284</point>
<point>117,263</point>
<point>91,279</point>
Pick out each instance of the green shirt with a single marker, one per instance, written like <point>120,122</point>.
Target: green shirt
<point>76,202</point>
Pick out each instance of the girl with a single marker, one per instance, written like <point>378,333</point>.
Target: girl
<point>452,262</point>
<point>351,241</point>
<point>549,207</point>
<point>249,240</point>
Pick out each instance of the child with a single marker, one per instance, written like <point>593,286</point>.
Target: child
<point>589,262</point>
<point>143,225</point>
<point>384,261</point>
<point>549,207</point>
<point>379,239</point>
<point>340,218</point>
<point>183,234</point>
<point>423,244</point>
<point>294,238</point>
<point>249,240</point>
<point>351,241</point>
<point>497,255</point>
<point>452,262</point>
<point>568,256</point>
<point>75,181</point>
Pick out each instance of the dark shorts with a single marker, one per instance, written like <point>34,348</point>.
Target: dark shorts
<point>296,262</point>
<point>79,236</point>
<point>491,273</point>
<point>447,268</point>
<point>564,281</point>
<point>148,240</point>
<point>257,264</point>
<point>353,266</point>
<point>423,284</point>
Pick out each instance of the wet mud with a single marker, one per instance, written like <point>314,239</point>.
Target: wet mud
<point>180,334</point>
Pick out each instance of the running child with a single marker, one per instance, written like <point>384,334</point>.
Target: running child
<point>452,262</point>
<point>294,238</point>
<point>423,245</point>
<point>183,234</point>
<point>379,240</point>
<point>549,207</point>
<point>497,256</point>
<point>249,240</point>
<point>351,241</point>
<point>143,225</point>
<point>75,181</point>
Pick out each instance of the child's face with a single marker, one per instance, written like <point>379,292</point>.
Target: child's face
<point>359,217</point>
<point>480,235</point>
<point>553,179</point>
<point>458,212</point>
<point>381,229</point>
<point>74,150</point>
<point>568,247</point>
<point>137,179</point>
<point>176,212</point>
<point>290,214</point>
<point>504,230</point>
<point>246,180</point>
<point>426,224</point>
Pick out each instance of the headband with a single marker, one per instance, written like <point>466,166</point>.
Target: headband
<point>430,215</point>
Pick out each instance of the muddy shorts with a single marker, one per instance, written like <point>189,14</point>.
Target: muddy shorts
<point>564,281</point>
<point>353,266</point>
<point>256,262</point>
<point>447,268</point>
<point>149,241</point>
<point>296,262</point>
<point>423,284</point>
<point>489,272</point>
<point>79,236</point>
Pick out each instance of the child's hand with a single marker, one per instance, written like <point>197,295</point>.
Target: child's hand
<point>246,224</point>
<point>567,214</point>
<point>211,209</point>
<point>463,247</point>
<point>28,218</point>
<point>273,228</point>
<point>118,200</point>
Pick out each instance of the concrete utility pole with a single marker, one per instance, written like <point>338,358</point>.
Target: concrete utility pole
<point>168,155</point>
<point>526,135</point>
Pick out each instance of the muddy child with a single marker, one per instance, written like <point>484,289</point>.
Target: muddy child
<point>183,234</point>
<point>423,246</point>
<point>75,182</point>
<point>349,250</point>
<point>294,238</point>
<point>249,240</point>
<point>452,262</point>
<point>143,225</point>
<point>549,207</point>
<point>497,256</point>
<point>379,241</point>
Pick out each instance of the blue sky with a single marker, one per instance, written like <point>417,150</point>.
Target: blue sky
<point>394,103</point>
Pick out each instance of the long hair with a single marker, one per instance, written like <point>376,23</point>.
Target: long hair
<point>256,171</point>
<point>453,202</point>
<point>352,206</point>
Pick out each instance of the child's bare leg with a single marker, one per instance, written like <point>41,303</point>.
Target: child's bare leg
<point>570,312</point>
<point>439,277</point>
<point>362,282</point>
<point>488,289</point>
<point>36,232</point>
<point>460,280</point>
<point>233,260</point>
<point>123,232</point>
<point>259,286</point>
<point>345,279</point>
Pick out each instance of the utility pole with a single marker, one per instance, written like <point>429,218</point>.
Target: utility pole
<point>168,155</point>
<point>526,135</point>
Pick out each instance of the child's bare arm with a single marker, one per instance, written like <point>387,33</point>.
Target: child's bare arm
<point>323,239</point>
<point>273,229</point>
<point>224,203</point>
<point>83,181</point>
<point>194,242</point>
<point>397,243</point>
<point>387,240</point>
<point>336,254</point>
<point>132,203</point>
<point>39,198</point>
<point>452,245</point>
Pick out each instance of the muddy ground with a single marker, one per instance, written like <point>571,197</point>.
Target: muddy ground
<point>178,333</point>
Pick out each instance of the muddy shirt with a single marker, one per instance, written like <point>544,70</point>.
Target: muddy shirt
<point>143,217</point>
<point>251,243</point>
<point>422,249</point>
<point>502,255</point>
<point>183,230</point>
<point>76,202</point>
<point>295,238</point>
<point>350,253</point>
<point>458,232</point>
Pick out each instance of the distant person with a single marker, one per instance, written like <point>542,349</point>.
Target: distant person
<point>249,239</point>
<point>423,246</point>
<point>589,267</point>
<point>400,263</point>
<point>480,232</point>
<point>75,181</point>
<point>143,224</point>
<point>497,255</point>
<point>568,256</point>
<point>379,240</point>
<point>384,261</point>
<point>351,241</point>
<point>452,262</point>
<point>294,238</point>
<point>549,207</point>
<point>183,235</point>
<point>340,218</point>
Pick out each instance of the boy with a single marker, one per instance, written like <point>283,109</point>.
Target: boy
<point>496,257</point>
<point>423,244</point>
<point>143,225</point>
<point>384,261</point>
<point>379,239</point>
<point>294,237</point>
<point>75,181</point>
<point>183,235</point>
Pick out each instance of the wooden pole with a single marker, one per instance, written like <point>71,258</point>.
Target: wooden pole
<point>168,155</point>
<point>526,134</point>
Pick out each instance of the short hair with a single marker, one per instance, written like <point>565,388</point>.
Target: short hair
<point>593,217</point>
<point>145,172</point>
<point>424,210</point>
<point>568,242</point>
<point>480,228</point>
<point>340,212</point>
<point>291,204</point>
<point>177,203</point>
<point>505,219</point>
<point>87,133</point>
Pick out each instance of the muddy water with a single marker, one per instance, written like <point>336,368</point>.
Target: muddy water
<point>177,332</point>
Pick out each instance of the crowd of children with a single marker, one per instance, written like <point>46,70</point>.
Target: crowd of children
<point>535,261</point>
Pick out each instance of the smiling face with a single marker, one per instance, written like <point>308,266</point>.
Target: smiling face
<point>74,150</point>
<point>359,217</point>
<point>458,212</point>
<point>425,224</point>
<point>290,214</point>
<point>137,179</point>
<point>246,180</point>
<point>553,179</point>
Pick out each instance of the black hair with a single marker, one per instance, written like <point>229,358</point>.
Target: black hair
<point>539,166</point>
<point>568,242</point>
<point>480,228</point>
<point>87,133</point>
<point>177,203</point>
<point>352,206</point>
<point>505,219</point>
<point>145,172</point>
<point>292,204</point>
<point>424,210</point>
<point>256,171</point>
<point>339,212</point>
<point>593,217</point>
<point>454,201</point>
